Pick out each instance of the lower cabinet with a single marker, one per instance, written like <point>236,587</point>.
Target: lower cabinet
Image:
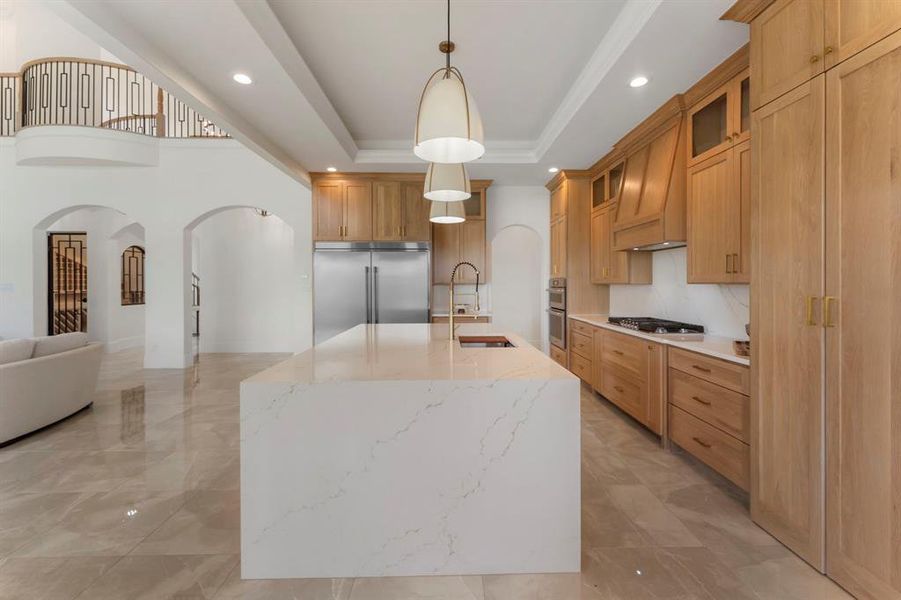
<point>558,355</point>
<point>581,350</point>
<point>709,412</point>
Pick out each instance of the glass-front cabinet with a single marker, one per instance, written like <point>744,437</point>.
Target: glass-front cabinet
<point>720,120</point>
<point>605,186</point>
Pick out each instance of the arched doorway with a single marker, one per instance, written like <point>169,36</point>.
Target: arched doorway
<point>516,296</point>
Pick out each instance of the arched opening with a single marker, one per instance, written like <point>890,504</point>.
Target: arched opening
<point>77,278</point>
<point>245,284</point>
<point>516,296</point>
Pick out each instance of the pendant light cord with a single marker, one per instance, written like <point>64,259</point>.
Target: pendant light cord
<point>448,33</point>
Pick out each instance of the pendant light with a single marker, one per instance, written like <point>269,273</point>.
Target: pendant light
<point>448,125</point>
<point>447,212</point>
<point>446,182</point>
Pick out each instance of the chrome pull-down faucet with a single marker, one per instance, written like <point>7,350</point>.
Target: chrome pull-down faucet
<point>450,312</point>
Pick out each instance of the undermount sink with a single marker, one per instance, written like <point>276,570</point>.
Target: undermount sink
<point>484,341</point>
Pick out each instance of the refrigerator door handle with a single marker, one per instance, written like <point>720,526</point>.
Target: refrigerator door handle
<point>368,303</point>
<point>375,291</point>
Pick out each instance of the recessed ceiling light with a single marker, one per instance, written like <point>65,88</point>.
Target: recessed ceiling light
<point>331,169</point>
<point>242,78</point>
<point>553,170</point>
<point>638,81</point>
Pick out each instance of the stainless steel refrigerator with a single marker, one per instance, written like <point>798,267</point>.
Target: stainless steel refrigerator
<point>368,282</point>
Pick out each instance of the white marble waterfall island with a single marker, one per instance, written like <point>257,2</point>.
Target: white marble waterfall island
<point>389,450</point>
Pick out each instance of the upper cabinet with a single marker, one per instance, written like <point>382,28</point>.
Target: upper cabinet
<point>793,41</point>
<point>458,242</point>
<point>400,212</point>
<point>721,120</point>
<point>474,206</point>
<point>614,266</point>
<point>342,210</point>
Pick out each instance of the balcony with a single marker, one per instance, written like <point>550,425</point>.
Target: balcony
<point>41,104</point>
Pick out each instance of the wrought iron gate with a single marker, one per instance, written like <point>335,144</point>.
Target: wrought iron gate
<point>67,285</point>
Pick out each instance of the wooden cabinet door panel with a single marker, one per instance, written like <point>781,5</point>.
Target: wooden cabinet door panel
<point>786,48</point>
<point>661,154</point>
<point>358,211</point>
<point>472,249</point>
<point>630,193</point>
<point>558,201</point>
<point>329,210</point>
<point>786,356</point>
<point>863,356</point>
<point>445,251</point>
<point>852,25</point>
<point>416,213</point>
<point>387,211</point>
<point>598,247</point>
<point>711,217</point>
<point>741,232</point>
<point>558,248</point>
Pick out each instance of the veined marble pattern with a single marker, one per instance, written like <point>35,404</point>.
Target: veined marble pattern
<point>137,498</point>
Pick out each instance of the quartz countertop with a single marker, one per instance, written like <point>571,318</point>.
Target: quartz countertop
<point>711,345</point>
<point>412,351</point>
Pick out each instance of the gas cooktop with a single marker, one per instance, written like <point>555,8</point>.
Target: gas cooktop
<point>652,325</point>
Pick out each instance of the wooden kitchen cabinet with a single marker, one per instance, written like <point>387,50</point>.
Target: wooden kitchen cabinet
<point>861,321</point>
<point>558,202</point>
<point>721,120</point>
<point>558,247</point>
<point>719,217</point>
<point>474,206</point>
<point>787,339</point>
<point>852,25</point>
<point>458,242</point>
<point>614,266</point>
<point>400,212</point>
<point>787,43</point>
<point>630,375</point>
<point>342,210</point>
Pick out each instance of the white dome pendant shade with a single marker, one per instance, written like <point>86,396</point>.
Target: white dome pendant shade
<point>448,125</point>
<point>445,182</point>
<point>447,212</point>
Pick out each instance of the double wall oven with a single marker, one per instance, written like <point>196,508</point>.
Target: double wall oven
<point>556,311</point>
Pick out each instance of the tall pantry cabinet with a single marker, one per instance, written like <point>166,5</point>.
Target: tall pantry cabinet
<point>826,288</point>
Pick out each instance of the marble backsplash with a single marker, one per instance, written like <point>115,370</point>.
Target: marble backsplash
<point>723,309</point>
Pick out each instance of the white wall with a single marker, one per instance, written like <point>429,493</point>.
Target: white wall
<point>30,29</point>
<point>194,178</point>
<point>249,283</point>
<point>721,309</point>
<point>519,279</point>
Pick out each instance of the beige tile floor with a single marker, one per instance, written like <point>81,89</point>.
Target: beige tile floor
<point>137,498</point>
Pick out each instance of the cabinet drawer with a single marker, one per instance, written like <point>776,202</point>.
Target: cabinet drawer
<point>558,355</point>
<point>729,375</point>
<point>580,327</point>
<point>625,392</point>
<point>720,451</point>
<point>626,352</point>
<point>724,409</point>
<point>581,367</point>
<point>581,343</point>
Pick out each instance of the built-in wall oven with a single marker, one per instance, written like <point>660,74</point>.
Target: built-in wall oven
<point>557,312</point>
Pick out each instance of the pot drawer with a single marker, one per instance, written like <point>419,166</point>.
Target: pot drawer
<point>581,343</point>
<point>559,355</point>
<point>722,408</point>
<point>625,392</point>
<point>580,327</point>
<point>729,375</point>
<point>720,451</point>
<point>581,367</point>
<point>626,352</point>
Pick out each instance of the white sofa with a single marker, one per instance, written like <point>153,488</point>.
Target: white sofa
<point>43,380</point>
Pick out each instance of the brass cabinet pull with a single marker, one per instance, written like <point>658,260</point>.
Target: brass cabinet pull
<point>704,402</point>
<point>618,389</point>
<point>735,135</point>
<point>735,263</point>
<point>814,58</point>
<point>701,369</point>
<point>828,50</point>
<point>827,311</point>
<point>811,320</point>
<point>701,442</point>
<point>728,138</point>
<point>728,264</point>
<point>617,352</point>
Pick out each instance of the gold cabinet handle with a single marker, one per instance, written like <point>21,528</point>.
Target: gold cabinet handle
<point>704,402</point>
<point>735,135</point>
<point>618,389</point>
<point>828,50</point>
<point>701,442</point>
<point>728,263</point>
<point>814,58</point>
<point>728,138</point>
<point>811,320</point>
<point>735,263</point>
<point>701,369</point>
<point>618,352</point>
<point>827,311</point>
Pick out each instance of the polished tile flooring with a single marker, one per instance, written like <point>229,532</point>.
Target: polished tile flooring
<point>137,498</point>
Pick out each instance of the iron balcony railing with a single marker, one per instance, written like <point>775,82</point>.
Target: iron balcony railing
<point>92,93</point>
